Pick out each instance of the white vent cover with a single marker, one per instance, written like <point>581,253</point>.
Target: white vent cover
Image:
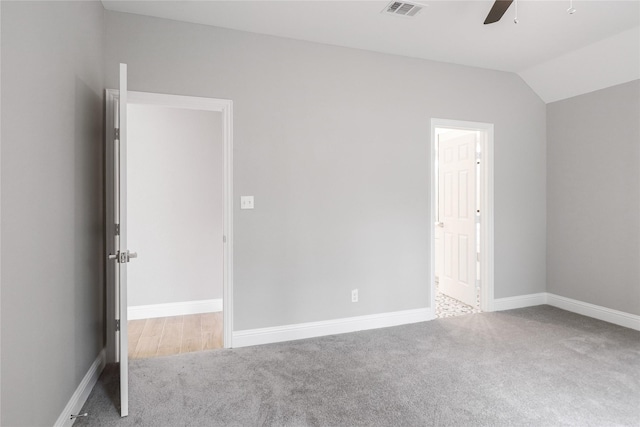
<point>402,8</point>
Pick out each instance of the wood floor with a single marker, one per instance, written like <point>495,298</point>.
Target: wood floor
<point>164,336</point>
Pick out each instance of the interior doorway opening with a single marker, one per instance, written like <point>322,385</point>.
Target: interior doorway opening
<point>462,217</point>
<point>175,162</point>
<point>169,204</point>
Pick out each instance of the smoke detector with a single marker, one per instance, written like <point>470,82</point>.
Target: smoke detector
<point>403,8</point>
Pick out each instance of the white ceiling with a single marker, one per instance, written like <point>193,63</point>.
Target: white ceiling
<point>447,31</point>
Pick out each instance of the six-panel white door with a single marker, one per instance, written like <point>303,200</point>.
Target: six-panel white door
<point>456,214</point>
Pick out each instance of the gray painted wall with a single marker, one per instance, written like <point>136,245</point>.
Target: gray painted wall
<point>52,204</point>
<point>334,145</point>
<point>175,200</point>
<point>594,197</point>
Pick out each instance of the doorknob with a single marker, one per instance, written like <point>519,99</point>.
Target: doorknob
<point>440,224</point>
<point>123,257</point>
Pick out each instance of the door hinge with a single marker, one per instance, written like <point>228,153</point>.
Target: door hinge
<point>478,256</point>
<point>224,239</point>
<point>117,231</point>
<point>117,133</point>
<point>117,325</point>
<point>478,284</point>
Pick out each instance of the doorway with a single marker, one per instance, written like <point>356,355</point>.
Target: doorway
<point>179,208</point>
<point>462,217</point>
<point>175,223</point>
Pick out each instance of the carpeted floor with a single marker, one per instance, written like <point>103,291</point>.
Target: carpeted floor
<point>537,366</point>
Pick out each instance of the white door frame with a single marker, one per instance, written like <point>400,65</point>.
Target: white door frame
<point>223,106</point>
<point>486,207</point>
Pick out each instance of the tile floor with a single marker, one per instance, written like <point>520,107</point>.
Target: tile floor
<point>164,336</point>
<point>449,307</point>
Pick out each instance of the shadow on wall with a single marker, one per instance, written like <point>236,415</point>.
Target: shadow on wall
<point>88,211</point>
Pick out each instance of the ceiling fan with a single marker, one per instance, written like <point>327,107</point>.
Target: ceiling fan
<point>497,10</point>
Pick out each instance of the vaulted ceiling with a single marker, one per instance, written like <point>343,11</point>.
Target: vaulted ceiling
<point>557,54</point>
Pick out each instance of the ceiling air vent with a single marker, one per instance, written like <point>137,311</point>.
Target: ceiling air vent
<point>402,8</point>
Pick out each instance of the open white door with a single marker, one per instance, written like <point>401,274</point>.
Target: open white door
<point>122,255</point>
<point>456,213</point>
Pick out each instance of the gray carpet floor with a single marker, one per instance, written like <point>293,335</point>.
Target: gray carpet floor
<point>537,366</point>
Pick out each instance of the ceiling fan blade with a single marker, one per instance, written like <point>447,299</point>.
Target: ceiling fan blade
<point>497,10</point>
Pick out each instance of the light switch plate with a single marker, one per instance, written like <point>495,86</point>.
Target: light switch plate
<point>246,202</point>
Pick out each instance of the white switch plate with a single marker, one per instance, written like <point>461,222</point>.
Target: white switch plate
<point>246,202</point>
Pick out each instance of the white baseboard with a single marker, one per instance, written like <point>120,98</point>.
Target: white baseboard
<point>520,301</point>
<point>81,394</point>
<point>586,309</point>
<point>597,312</point>
<point>329,327</point>
<point>174,309</point>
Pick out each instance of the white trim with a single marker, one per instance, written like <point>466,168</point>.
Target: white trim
<point>79,397</point>
<point>519,301</point>
<point>224,106</point>
<point>353,324</point>
<point>486,207</point>
<point>620,318</point>
<point>329,327</point>
<point>178,101</point>
<point>174,309</point>
<point>487,254</point>
<point>616,317</point>
<point>227,287</point>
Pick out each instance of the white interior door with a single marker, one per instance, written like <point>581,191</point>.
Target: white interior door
<point>122,255</point>
<point>456,214</point>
